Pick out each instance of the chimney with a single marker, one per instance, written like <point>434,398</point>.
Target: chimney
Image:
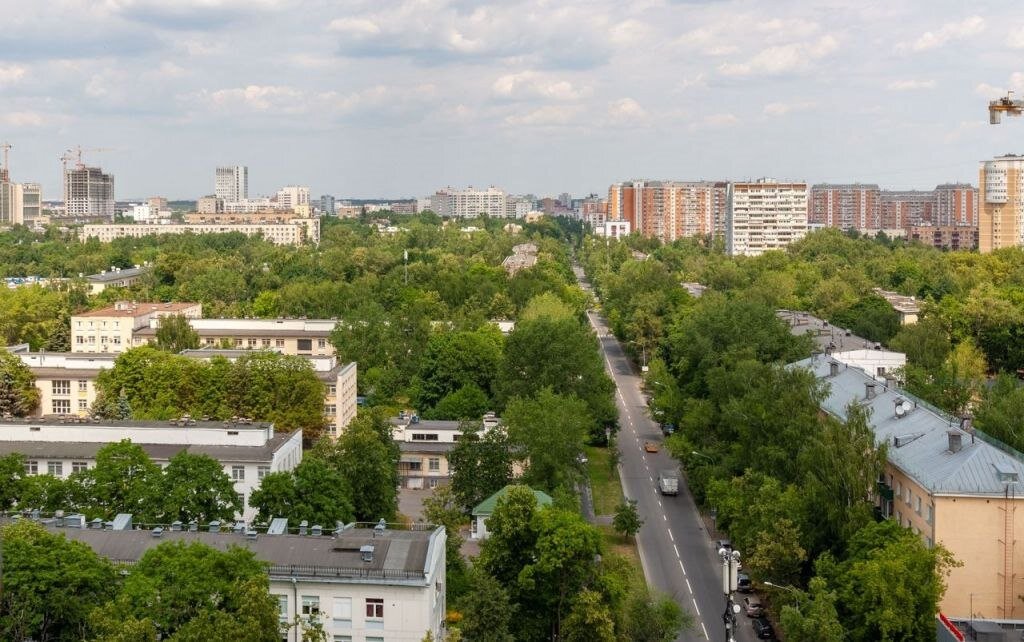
<point>176,526</point>
<point>833,368</point>
<point>955,441</point>
<point>317,530</point>
<point>215,526</point>
<point>193,526</point>
<point>157,532</point>
<point>869,390</point>
<point>303,527</point>
<point>366,552</point>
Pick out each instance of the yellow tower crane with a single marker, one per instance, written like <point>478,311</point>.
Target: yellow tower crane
<point>1006,105</point>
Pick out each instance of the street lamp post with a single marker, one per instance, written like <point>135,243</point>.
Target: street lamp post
<point>730,571</point>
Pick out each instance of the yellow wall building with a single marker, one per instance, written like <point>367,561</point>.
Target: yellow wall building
<point>946,482</point>
<point>112,329</point>
<point>1001,203</point>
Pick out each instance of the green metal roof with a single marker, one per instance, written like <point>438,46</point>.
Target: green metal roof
<point>486,507</point>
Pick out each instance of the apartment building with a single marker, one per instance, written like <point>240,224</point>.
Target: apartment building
<point>424,446</point>
<point>88,192</point>
<point>956,205</point>
<point>67,381</point>
<point>941,474</point>
<point>845,207</point>
<point>299,231</point>
<point>301,337</point>
<point>364,582</point>
<point>1001,195</point>
<point>20,203</point>
<point>907,208</point>
<point>470,203</point>
<point>231,183</point>
<point>261,217</point>
<point>247,450</point>
<point>945,237</point>
<point>112,329</point>
<point>906,306</point>
<point>764,215</point>
<point>669,210</point>
<point>115,278</point>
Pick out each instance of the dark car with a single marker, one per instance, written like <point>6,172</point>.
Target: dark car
<point>763,629</point>
<point>743,583</point>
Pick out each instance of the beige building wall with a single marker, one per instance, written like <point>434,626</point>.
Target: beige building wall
<point>69,392</point>
<point>112,329</point>
<point>1001,203</point>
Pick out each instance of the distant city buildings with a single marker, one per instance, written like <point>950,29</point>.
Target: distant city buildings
<point>291,197</point>
<point>1001,215</point>
<point>669,210</point>
<point>232,183</point>
<point>112,329</point>
<point>470,203</point>
<point>327,205</point>
<point>764,215</point>
<point>297,231</point>
<point>846,207</point>
<point>88,192</point>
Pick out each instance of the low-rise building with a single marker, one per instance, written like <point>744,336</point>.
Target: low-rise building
<point>67,381</point>
<point>523,256</point>
<point>483,511</point>
<point>945,237</point>
<point>362,582</point>
<point>612,229</point>
<point>112,329</point>
<point>906,306</point>
<point>948,483</point>
<point>301,337</point>
<point>115,278</point>
<point>424,446</point>
<point>61,446</point>
<point>298,231</point>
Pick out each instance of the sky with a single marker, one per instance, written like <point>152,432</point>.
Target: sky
<point>384,98</point>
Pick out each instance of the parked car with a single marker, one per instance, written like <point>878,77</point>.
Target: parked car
<point>650,446</point>
<point>763,629</point>
<point>743,583</point>
<point>752,606</point>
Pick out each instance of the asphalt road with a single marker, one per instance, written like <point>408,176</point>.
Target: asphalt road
<point>676,551</point>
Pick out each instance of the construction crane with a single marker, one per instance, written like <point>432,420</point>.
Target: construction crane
<point>1006,105</point>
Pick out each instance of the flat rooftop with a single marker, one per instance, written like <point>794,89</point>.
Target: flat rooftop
<point>827,337</point>
<point>137,309</point>
<point>399,556</point>
<point>117,275</point>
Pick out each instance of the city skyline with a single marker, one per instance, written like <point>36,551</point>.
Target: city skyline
<point>402,98</point>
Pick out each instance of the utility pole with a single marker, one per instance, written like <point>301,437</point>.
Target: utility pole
<point>730,572</point>
<point>405,260</point>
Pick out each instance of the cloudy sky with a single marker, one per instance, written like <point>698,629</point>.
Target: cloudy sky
<point>397,98</point>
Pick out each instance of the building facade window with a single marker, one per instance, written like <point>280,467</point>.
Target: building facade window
<point>310,605</point>
<point>917,505</point>
<point>79,466</point>
<point>31,467</point>
<point>238,473</point>
<point>342,612</point>
<point>262,471</point>
<point>61,387</point>
<point>434,464</point>
<point>83,385</point>
<point>62,406</point>
<point>83,404</point>
<point>304,345</point>
<point>282,609</point>
<point>321,343</point>
<point>330,410</point>
<point>422,436</point>
<point>374,608</point>
<point>279,343</point>
<point>55,468</point>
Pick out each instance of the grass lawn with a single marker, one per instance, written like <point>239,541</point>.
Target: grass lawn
<point>604,481</point>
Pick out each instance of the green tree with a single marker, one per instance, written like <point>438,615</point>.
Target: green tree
<point>888,585</point>
<point>487,610</point>
<point>560,354</point>
<point>195,487</point>
<point>589,620</point>
<point>468,402</point>
<point>653,619</point>
<point>275,497</point>
<point>480,465</point>
<point>12,472</point>
<point>367,459</point>
<point>998,414</point>
<point>193,590</point>
<point>50,584</point>
<point>45,493</point>
<point>441,508</point>
<point>550,430</point>
<point>19,396</point>
<point>814,618</point>
<point>175,334</point>
<point>124,480</point>
<point>454,360</point>
<point>872,317</point>
<point>283,389</point>
<point>926,343</point>
<point>627,519</point>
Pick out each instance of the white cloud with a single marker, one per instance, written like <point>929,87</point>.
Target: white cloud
<point>260,98</point>
<point>10,74</point>
<point>910,85</point>
<point>354,26</point>
<point>950,31</point>
<point>1015,82</point>
<point>1015,39</point>
<point>781,109</point>
<point>714,121</point>
<point>627,110</point>
<point>30,118</point>
<point>989,91</point>
<point>783,58</point>
<point>533,84</point>
<point>545,116</point>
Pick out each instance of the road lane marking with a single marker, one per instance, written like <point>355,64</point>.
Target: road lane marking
<point>688,587</point>
<point>695,607</point>
<point>682,567</point>
<point>705,631</point>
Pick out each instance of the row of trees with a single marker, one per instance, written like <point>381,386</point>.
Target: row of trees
<point>789,485</point>
<point>354,477</point>
<point>57,590</point>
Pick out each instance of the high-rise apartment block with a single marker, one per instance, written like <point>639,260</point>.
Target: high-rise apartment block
<point>89,192</point>
<point>327,205</point>
<point>846,207</point>
<point>956,205</point>
<point>292,196</point>
<point>232,183</point>
<point>470,203</point>
<point>1001,215</point>
<point>669,210</point>
<point>764,215</point>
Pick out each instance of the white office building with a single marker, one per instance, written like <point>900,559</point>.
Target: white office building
<point>291,196</point>
<point>470,203</point>
<point>232,183</point>
<point>61,446</point>
<point>764,215</point>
